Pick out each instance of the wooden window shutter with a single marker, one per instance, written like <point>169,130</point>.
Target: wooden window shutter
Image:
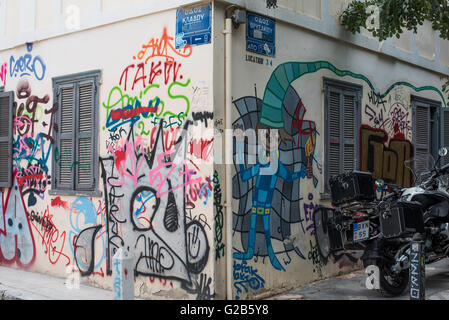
<point>66,140</point>
<point>6,124</point>
<point>349,131</point>
<point>334,136</point>
<point>84,136</point>
<point>422,136</point>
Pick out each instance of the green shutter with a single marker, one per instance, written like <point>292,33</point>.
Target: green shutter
<point>6,123</point>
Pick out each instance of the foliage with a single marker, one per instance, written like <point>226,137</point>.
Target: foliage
<point>395,16</point>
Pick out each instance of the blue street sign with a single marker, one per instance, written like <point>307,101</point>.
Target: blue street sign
<point>260,34</point>
<point>193,25</point>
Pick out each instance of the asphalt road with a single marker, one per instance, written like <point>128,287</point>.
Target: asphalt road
<point>352,287</point>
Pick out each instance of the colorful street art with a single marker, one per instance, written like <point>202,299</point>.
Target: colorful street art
<point>271,205</point>
<point>273,197</point>
<point>161,196</point>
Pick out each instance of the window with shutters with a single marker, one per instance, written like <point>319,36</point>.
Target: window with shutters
<point>6,123</point>
<point>430,129</point>
<point>342,116</point>
<point>75,160</point>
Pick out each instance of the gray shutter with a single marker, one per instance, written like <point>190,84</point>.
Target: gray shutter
<point>349,131</point>
<point>422,135</point>
<point>334,137</point>
<point>6,123</point>
<point>444,133</point>
<point>66,141</point>
<point>84,136</point>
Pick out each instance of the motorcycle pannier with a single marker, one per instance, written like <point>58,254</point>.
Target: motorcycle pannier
<point>352,186</point>
<point>403,218</point>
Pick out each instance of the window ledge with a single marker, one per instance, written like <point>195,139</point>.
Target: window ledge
<point>94,193</point>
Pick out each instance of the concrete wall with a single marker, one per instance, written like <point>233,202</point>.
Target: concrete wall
<point>303,59</point>
<point>174,256</point>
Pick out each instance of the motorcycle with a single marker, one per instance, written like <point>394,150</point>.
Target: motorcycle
<point>381,220</point>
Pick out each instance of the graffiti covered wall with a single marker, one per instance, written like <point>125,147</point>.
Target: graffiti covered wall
<point>276,189</point>
<point>155,178</point>
<point>159,193</point>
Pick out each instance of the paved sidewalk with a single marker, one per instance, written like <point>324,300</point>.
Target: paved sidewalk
<point>16,284</point>
<point>24,285</point>
<point>352,287</point>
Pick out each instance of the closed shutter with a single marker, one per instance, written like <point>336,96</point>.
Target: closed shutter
<point>444,131</point>
<point>422,137</point>
<point>6,119</point>
<point>342,126</point>
<point>84,136</point>
<point>349,131</point>
<point>342,129</point>
<point>334,125</point>
<point>66,141</point>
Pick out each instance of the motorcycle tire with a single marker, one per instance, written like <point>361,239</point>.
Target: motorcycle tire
<point>390,284</point>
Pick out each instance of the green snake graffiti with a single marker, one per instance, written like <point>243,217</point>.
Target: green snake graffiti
<point>286,73</point>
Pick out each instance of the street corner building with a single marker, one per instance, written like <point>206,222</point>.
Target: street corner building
<point>113,134</point>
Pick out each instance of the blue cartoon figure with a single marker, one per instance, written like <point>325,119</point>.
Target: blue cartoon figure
<point>267,170</point>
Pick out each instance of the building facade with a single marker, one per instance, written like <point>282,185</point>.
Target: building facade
<point>115,117</point>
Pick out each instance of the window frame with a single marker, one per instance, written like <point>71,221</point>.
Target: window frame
<point>76,79</point>
<point>428,103</point>
<point>357,89</point>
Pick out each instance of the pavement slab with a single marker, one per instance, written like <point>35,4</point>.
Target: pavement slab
<point>24,285</point>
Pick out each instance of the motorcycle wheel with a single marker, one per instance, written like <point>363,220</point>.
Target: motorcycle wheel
<point>390,284</point>
<point>320,217</point>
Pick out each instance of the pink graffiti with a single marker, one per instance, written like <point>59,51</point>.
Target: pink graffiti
<point>128,151</point>
<point>3,72</point>
<point>156,174</point>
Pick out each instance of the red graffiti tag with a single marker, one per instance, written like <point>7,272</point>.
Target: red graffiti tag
<point>202,148</point>
<point>53,240</point>
<point>129,113</point>
<point>299,124</point>
<point>57,202</point>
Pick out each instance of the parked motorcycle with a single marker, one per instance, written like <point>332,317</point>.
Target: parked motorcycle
<point>383,226</point>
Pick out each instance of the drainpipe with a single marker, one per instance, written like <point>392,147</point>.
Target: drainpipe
<point>228,153</point>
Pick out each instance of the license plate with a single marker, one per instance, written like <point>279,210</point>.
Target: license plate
<point>361,231</point>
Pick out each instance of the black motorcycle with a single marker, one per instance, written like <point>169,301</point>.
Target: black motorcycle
<point>383,226</point>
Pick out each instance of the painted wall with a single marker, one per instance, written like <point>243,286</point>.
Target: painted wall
<point>273,233</point>
<point>154,200</point>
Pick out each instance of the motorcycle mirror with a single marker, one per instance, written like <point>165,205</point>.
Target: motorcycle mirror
<point>442,152</point>
<point>380,183</point>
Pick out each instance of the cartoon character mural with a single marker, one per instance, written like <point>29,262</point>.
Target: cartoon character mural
<point>267,179</point>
